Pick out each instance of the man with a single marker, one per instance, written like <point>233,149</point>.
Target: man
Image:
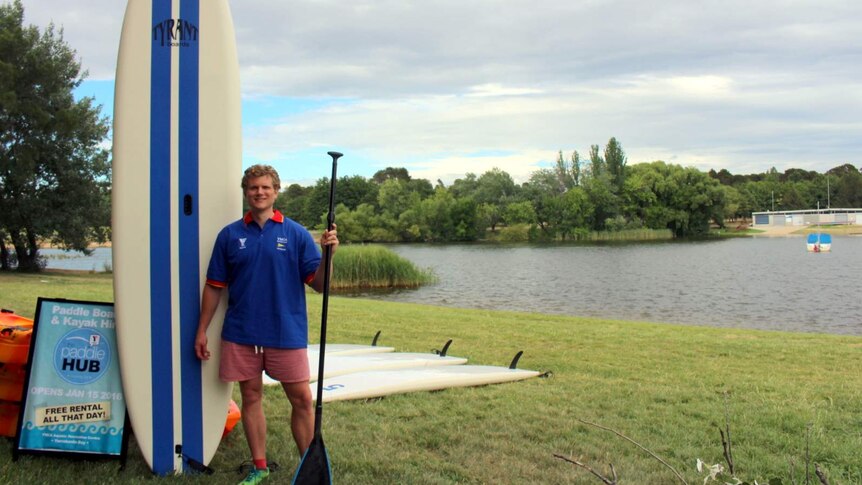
<point>264,260</point>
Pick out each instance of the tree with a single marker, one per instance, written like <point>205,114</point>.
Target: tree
<point>422,187</point>
<point>576,211</point>
<point>542,181</point>
<point>465,187</point>
<point>685,199</point>
<point>291,202</point>
<point>356,225</point>
<point>566,175</point>
<point>543,191</point>
<point>845,185</point>
<point>316,205</point>
<point>576,167</point>
<point>445,218</point>
<point>54,175</point>
<point>355,190</point>
<point>519,213</point>
<point>615,161</point>
<point>494,189</point>
<point>395,197</point>
<point>597,164</point>
<point>390,173</point>
<point>603,198</point>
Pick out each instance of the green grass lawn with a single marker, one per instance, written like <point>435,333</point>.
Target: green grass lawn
<point>661,385</point>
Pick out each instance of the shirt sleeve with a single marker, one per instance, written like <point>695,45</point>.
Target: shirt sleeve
<point>309,258</point>
<point>217,271</point>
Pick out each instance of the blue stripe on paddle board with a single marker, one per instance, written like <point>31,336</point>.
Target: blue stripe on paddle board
<point>160,240</point>
<point>189,236</point>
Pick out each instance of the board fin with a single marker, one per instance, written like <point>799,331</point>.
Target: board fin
<point>442,353</point>
<point>376,336</point>
<point>514,364</point>
<point>191,464</point>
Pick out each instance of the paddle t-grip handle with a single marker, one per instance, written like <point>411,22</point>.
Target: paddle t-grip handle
<point>330,216</point>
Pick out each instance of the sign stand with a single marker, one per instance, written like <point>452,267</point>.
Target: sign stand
<point>73,403</point>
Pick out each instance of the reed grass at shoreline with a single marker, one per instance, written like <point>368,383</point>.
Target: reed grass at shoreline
<point>375,266</point>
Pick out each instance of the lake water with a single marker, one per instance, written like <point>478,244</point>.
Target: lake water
<point>98,261</point>
<point>762,283</point>
<point>759,282</point>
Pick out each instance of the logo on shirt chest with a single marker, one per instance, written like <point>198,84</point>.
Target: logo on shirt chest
<point>281,243</point>
<point>242,242</point>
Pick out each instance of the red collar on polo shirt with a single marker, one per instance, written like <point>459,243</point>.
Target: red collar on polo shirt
<point>276,217</point>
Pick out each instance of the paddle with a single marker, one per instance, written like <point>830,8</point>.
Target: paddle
<point>314,467</point>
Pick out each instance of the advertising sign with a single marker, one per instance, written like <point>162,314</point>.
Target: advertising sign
<point>73,402</point>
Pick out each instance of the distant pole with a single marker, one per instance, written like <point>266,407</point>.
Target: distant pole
<point>828,203</point>
<point>773,201</point>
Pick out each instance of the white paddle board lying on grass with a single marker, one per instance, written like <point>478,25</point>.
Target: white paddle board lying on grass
<point>338,364</point>
<point>369,384</point>
<point>351,349</point>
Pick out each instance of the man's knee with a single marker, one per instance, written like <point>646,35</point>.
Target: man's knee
<point>299,396</point>
<point>251,393</point>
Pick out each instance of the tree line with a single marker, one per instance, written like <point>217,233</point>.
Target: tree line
<point>794,189</point>
<point>599,193</point>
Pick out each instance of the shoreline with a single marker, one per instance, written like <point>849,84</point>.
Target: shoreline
<point>801,231</point>
<point>767,231</point>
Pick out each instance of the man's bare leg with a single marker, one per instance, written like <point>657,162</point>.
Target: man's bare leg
<point>302,416</point>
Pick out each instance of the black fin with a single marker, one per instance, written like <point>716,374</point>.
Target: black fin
<point>514,364</point>
<point>442,353</point>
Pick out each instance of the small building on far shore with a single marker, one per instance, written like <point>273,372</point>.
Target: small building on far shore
<point>803,218</point>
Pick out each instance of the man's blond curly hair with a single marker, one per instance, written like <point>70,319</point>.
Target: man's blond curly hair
<point>260,170</point>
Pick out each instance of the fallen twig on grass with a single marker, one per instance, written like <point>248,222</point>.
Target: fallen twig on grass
<point>638,445</point>
<point>820,474</point>
<point>586,467</point>
<point>726,443</point>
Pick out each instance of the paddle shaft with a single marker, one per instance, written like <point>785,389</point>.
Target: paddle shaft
<point>327,256</point>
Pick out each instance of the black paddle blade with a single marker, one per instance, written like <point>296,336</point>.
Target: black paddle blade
<point>314,468</point>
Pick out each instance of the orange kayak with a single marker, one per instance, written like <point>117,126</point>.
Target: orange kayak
<point>233,416</point>
<point>11,382</point>
<point>15,333</point>
<point>9,418</point>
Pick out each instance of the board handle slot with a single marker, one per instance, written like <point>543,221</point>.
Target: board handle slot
<point>188,205</point>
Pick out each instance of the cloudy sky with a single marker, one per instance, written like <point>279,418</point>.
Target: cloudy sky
<point>446,87</point>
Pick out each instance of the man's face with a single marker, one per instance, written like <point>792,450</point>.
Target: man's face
<point>260,193</point>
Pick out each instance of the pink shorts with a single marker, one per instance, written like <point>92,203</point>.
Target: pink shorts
<point>243,362</point>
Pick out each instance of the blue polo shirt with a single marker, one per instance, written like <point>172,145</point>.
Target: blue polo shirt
<point>265,271</point>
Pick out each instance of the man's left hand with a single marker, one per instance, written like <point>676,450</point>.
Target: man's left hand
<point>330,238</point>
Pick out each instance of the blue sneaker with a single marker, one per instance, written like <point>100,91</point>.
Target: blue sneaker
<point>255,476</point>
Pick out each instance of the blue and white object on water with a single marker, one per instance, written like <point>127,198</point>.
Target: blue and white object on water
<point>176,170</point>
<point>819,243</point>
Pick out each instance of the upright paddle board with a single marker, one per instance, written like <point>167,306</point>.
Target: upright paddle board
<point>176,171</point>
